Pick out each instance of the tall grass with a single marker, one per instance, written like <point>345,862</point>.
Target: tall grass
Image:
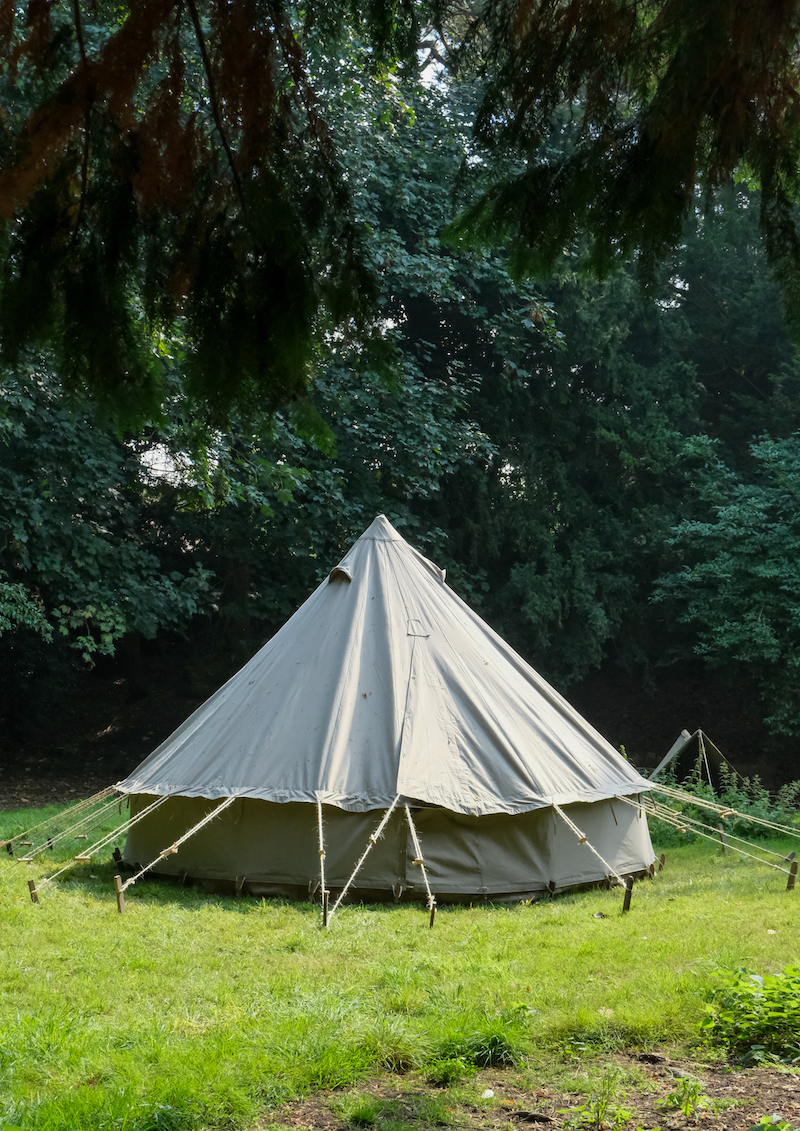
<point>196,1012</point>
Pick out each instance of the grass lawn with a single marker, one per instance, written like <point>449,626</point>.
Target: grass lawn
<point>192,1011</point>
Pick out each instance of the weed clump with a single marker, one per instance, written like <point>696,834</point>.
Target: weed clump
<point>487,1048</point>
<point>449,1070</point>
<point>603,1110</point>
<point>688,1097</point>
<point>756,1017</point>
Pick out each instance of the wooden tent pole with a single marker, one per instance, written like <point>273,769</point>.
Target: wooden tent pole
<point>325,892</point>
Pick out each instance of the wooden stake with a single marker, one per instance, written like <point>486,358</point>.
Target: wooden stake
<point>792,876</point>
<point>626,901</point>
<point>722,839</point>
<point>661,861</point>
<point>9,848</point>
<point>50,842</point>
<point>32,889</point>
<point>120,894</point>
<point>325,895</point>
<point>117,856</point>
<point>433,914</point>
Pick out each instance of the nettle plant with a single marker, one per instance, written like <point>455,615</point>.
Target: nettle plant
<point>756,1017</point>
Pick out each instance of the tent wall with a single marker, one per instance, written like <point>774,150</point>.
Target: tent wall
<point>275,847</point>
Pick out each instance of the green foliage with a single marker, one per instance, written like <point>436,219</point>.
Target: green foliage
<point>609,146</point>
<point>602,1109</point>
<point>687,1097</point>
<point>567,522</point>
<point>737,582</point>
<point>494,1045</point>
<point>747,796</point>
<point>768,1121</point>
<point>163,163</point>
<point>18,609</point>
<point>70,525</point>
<point>735,333</point>
<point>756,1017</point>
<point>450,1070</point>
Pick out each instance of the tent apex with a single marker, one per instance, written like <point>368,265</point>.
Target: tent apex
<point>381,530</point>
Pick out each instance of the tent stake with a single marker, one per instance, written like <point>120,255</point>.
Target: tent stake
<point>792,876</point>
<point>325,895</point>
<point>32,889</point>
<point>723,841</point>
<point>661,861</point>
<point>626,900</point>
<point>433,913</point>
<point>120,894</point>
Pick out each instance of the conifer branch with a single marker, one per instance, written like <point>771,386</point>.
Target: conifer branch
<point>215,110</point>
<point>76,8</point>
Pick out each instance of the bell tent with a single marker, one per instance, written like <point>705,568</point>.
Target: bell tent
<point>386,701</point>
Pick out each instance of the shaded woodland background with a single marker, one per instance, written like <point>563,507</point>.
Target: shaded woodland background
<point>611,476</point>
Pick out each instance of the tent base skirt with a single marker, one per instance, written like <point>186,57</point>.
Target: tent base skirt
<point>258,890</point>
<point>262,848</point>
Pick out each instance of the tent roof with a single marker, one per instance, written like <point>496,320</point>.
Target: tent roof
<point>385,682</point>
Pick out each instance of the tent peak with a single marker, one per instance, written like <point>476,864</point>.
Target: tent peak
<point>381,530</point>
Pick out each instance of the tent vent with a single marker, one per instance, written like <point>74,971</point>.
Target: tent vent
<point>417,628</point>
<point>340,571</point>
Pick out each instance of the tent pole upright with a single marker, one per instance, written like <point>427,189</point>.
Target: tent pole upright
<point>325,892</point>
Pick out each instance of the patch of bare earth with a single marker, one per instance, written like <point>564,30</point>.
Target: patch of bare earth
<point>730,1098</point>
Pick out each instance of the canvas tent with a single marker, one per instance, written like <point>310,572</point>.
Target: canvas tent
<point>384,687</point>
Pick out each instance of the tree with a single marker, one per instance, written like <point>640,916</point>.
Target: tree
<point>735,334</point>
<point>77,555</point>
<point>167,160</point>
<point>736,580</point>
<point>173,159</point>
<point>602,118</point>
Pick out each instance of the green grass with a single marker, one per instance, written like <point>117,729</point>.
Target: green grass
<point>193,1012</point>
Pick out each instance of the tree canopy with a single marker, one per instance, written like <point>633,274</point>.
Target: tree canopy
<point>169,160</point>
<point>654,98</point>
<point>176,160</point>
